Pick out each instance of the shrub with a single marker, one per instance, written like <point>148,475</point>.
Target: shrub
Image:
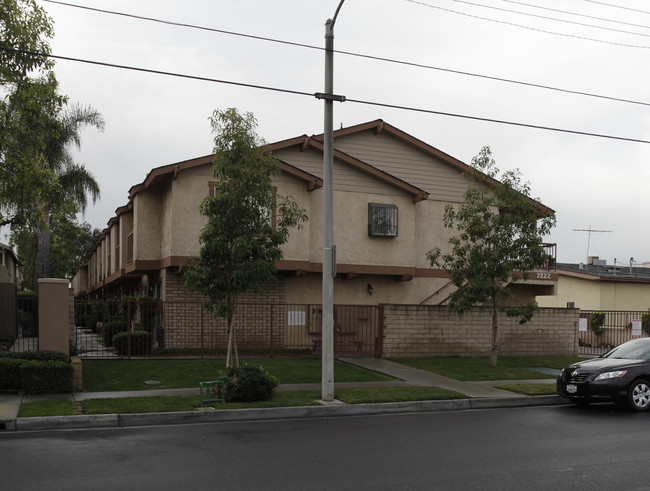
<point>10,378</point>
<point>46,377</point>
<point>110,329</point>
<point>249,383</point>
<point>596,322</point>
<point>140,343</point>
<point>41,355</point>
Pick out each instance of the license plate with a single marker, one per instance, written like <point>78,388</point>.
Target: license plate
<point>571,389</point>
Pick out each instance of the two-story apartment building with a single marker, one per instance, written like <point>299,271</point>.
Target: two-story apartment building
<point>390,192</point>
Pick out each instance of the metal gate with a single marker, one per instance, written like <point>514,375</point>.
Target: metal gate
<point>19,323</point>
<point>168,328</point>
<point>358,330</point>
<point>602,330</point>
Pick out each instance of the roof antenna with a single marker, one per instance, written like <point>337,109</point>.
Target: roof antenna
<point>590,230</point>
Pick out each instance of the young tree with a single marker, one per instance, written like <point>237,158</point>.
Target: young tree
<point>246,224</point>
<point>499,241</point>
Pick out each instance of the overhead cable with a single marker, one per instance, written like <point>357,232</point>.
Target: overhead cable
<point>618,6</point>
<point>358,55</point>
<point>578,14</point>
<point>574,36</point>
<point>311,94</point>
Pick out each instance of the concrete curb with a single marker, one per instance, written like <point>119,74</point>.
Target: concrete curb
<point>229,415</point>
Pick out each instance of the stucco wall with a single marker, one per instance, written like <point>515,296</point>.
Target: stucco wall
<point>418,330</point>
<point>307,289</point>
<point>147,225</point>
<point>598,295</point>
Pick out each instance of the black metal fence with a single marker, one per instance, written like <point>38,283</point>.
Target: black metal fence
<point>19,323</point>
<point>165,328</point>
<point>601,330</point>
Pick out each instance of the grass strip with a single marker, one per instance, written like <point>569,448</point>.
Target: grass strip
<point>47,408</point>
<point>395,394</point>
<point>156,404</point>
<point>478,368</point>
<point>530,389</point>
<point>161,404</point>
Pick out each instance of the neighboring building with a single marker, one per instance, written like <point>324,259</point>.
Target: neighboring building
<point>390,192</point>
<point>598,286</point>
<point>9,273</point>
<point>9,282</point>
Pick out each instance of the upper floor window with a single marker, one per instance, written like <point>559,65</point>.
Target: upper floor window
<point>382,220</point>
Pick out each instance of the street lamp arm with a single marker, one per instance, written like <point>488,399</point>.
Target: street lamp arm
<point>333,20</point>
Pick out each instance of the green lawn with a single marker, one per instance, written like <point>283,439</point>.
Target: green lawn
<point>109,375</point>
<point>474,369</point>
<point>47,408</point>
<point>114,375</point>
<point>131,405</point>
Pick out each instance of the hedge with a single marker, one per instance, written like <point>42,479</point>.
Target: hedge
<point>46,377</point>
<point>36,372</point>
<point>42,355</point>
<point>10,378</point>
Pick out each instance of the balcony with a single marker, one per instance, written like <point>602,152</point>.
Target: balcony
<point>551,254</point>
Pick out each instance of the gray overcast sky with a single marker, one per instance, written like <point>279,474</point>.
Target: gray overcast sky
<point>154,120</point>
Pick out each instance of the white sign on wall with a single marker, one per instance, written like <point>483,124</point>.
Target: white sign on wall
<point>582,325</point>
<point>636,327</point>
<point>296,318</point>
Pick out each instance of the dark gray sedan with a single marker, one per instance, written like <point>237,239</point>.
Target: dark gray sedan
<point>622,375</point>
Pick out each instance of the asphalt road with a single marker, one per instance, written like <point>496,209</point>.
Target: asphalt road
<point>558,447</point>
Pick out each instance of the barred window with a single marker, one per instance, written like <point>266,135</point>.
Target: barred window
<point>382,220</point>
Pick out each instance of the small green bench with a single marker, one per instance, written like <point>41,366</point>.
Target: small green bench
<point>214,390</point>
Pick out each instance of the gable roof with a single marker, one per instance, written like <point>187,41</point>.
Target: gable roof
<point>380,126</point>
<point>158,173</point>
<point>305,142</point>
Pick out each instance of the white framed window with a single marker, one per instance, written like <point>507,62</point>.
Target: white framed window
<point>382,220</point>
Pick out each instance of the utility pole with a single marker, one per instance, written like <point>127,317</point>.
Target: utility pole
<point>329,249</point>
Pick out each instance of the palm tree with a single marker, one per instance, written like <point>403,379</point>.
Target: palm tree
<point>73,181</point>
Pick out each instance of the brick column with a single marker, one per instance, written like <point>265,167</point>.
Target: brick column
<point>53,315</point>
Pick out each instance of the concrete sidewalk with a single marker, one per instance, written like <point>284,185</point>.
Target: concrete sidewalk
<point>407,376</point>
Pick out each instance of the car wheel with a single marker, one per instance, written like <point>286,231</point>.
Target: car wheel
<point>638,395</point>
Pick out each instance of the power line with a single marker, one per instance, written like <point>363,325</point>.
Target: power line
<point>577,14</point>
<point>618,6</point>
<point>311,94</point>
<point>358,55</point>
<point>582,24</point>
<point>499,121</point>
<point>574,36</point>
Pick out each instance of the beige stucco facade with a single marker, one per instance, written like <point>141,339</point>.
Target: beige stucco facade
<point>590,292</point>
<point>374,164</point>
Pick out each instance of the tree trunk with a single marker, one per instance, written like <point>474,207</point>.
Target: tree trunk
<point>42,266</point>
<point>494,352</point>
<point>231,335</point>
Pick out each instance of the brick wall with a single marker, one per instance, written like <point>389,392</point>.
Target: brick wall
<point>174,290</point>
<point>187,325</point>
<point>425,330</point>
